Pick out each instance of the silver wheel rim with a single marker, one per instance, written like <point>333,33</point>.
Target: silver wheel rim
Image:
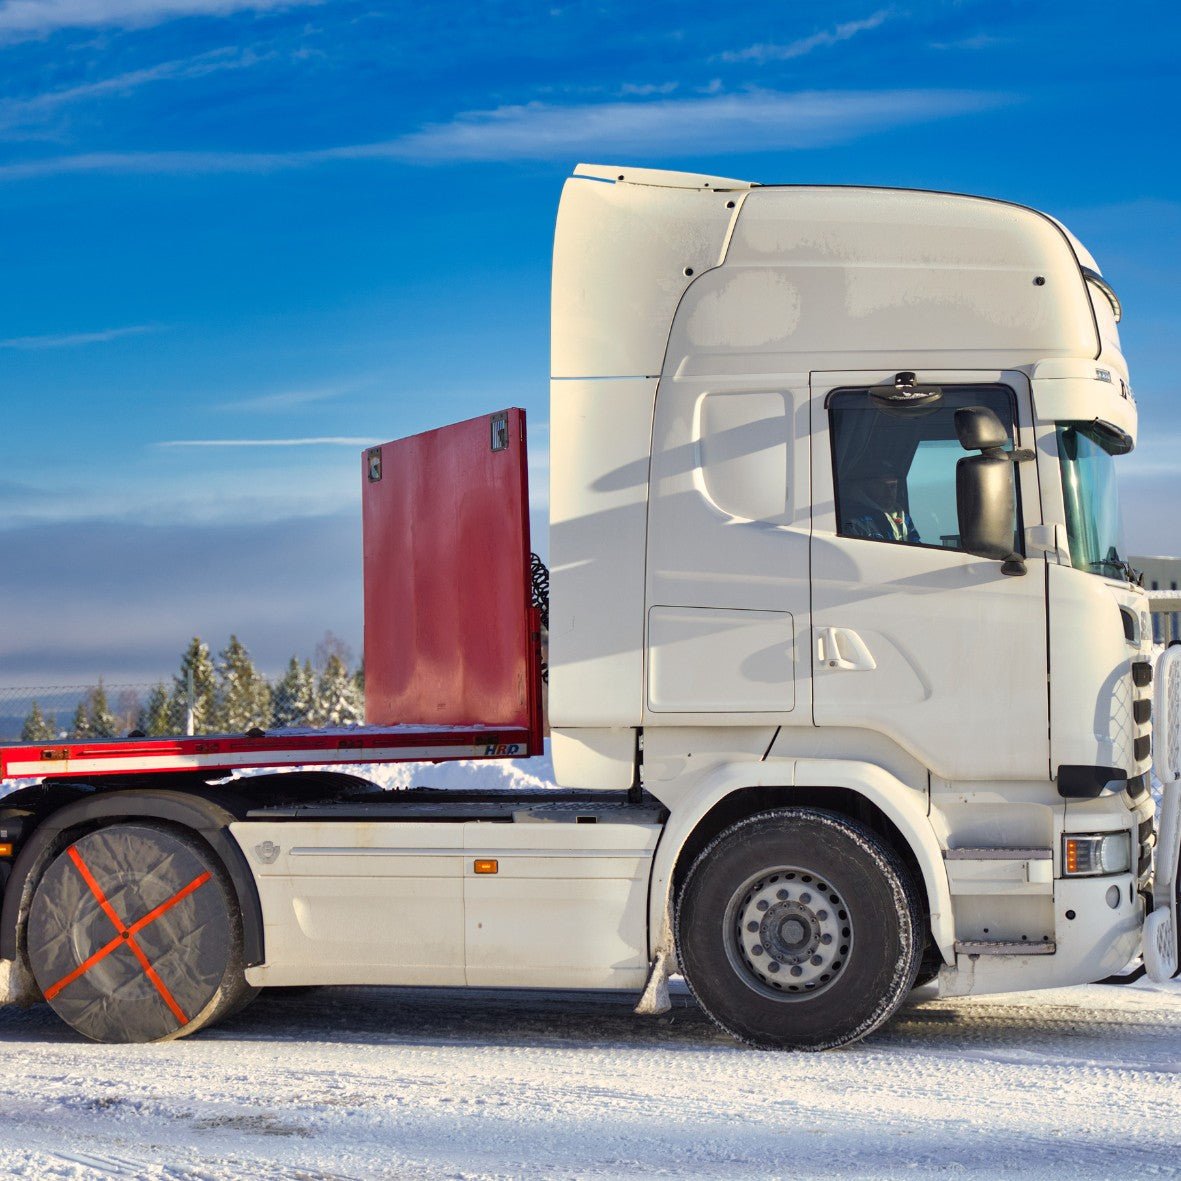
<point>788,933</point>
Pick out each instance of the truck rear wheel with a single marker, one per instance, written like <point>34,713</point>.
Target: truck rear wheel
<point>134,935</point>
<point>798,929</point>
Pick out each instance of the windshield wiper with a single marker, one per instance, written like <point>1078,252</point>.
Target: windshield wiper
<point>1114,562</point>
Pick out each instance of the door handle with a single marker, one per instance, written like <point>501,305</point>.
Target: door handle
<point>843,649</point>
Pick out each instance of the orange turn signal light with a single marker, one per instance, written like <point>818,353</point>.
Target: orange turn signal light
<point>1072,852</point>
<point>485,865</point>
<point>5,848</point>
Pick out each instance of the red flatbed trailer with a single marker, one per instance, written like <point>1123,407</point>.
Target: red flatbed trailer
<point>452,639</point>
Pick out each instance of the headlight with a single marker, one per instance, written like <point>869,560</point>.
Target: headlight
<point>1096,854</point>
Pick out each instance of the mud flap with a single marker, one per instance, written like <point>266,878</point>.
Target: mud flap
<point>17,987</point>
<point>654,1000</point>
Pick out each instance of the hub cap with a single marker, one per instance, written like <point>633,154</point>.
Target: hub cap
<point>789,934</point>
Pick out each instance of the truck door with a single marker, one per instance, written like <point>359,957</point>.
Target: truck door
<point>911,636</point>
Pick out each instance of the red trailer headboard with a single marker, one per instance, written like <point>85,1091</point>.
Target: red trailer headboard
<point>450,635</point>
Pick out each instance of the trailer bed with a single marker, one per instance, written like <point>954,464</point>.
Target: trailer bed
<point>283,748</point>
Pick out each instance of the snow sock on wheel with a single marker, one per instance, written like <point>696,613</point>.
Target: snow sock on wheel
<point>134,936</point>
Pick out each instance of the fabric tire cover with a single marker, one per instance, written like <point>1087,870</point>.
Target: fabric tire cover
<point>149,962</point>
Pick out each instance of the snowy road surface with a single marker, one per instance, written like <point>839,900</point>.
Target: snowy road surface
<point>364,1082</point>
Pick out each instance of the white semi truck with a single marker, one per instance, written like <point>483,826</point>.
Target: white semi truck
<point>849,684</point>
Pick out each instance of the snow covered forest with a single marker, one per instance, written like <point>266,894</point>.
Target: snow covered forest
<point>218,694</point>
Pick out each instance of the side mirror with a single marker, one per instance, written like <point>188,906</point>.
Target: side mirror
<point>986,495</point>
<point>985,500</point>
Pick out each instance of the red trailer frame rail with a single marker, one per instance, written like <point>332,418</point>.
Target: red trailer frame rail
<point>452,640</point>
<point>285,748</point>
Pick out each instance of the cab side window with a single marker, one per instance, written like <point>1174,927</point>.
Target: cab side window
<point>894,466</point>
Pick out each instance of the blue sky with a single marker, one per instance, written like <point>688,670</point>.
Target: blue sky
<point>241,237</point>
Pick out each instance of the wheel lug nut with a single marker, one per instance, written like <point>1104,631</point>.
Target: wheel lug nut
<point>782,895</point>
<point>805,897</point>
<point>772,967</point>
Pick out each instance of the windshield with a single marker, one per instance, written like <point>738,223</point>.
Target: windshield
<point>1092,501</point>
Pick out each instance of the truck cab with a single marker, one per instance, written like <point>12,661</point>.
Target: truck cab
<point>759,571</point>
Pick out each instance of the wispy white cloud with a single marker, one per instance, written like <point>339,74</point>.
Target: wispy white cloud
<point>760,120</point>
<point>317,441</point>
<point>159,162</point>
<point>645,89</point>
<point>755,121</point>
<point>69,340</point>
<point>200,66</point>
<point>22,19</point>
<point>21,118</point>
<point>288,399</point>
<point>805,45</point>
<point>978,41</point>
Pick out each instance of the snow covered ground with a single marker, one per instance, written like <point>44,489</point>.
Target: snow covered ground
<point>361,1082</point>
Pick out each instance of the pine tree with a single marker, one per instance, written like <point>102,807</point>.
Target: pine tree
<point>337,701</point>
<point>295,695</point>
<point>80,727</point>
<point>243,699</point>
<point>155,719</point>
<point>197,662</point>
<point>37,727</point>
<point>102,722</point>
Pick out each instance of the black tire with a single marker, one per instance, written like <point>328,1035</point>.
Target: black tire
<point>838,913</point>
<point>134,935</point>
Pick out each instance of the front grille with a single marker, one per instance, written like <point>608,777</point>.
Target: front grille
<point>1142,711</point>
<point>1142,747</point>
<point>1138,786</point>
<point>1141,673</point>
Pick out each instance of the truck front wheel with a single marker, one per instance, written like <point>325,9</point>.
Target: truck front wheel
<point>798,929</point>
<point>134,935</point>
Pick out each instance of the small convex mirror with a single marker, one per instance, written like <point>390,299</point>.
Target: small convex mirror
<point>979,429</point>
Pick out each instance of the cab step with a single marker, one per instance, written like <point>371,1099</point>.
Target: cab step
<point>996,853</point>
<point>992,870</point>
<point>1004,947</point>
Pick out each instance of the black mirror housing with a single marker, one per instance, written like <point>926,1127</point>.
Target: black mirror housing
<point>986,503</point>
<point>979,429</point>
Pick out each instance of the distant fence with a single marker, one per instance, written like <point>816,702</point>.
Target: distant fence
<point>46,713</point>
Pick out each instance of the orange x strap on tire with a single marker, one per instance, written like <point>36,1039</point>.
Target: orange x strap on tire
<point>134,935</point>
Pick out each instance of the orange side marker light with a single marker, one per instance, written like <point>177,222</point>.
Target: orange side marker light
<point>486,865</point>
